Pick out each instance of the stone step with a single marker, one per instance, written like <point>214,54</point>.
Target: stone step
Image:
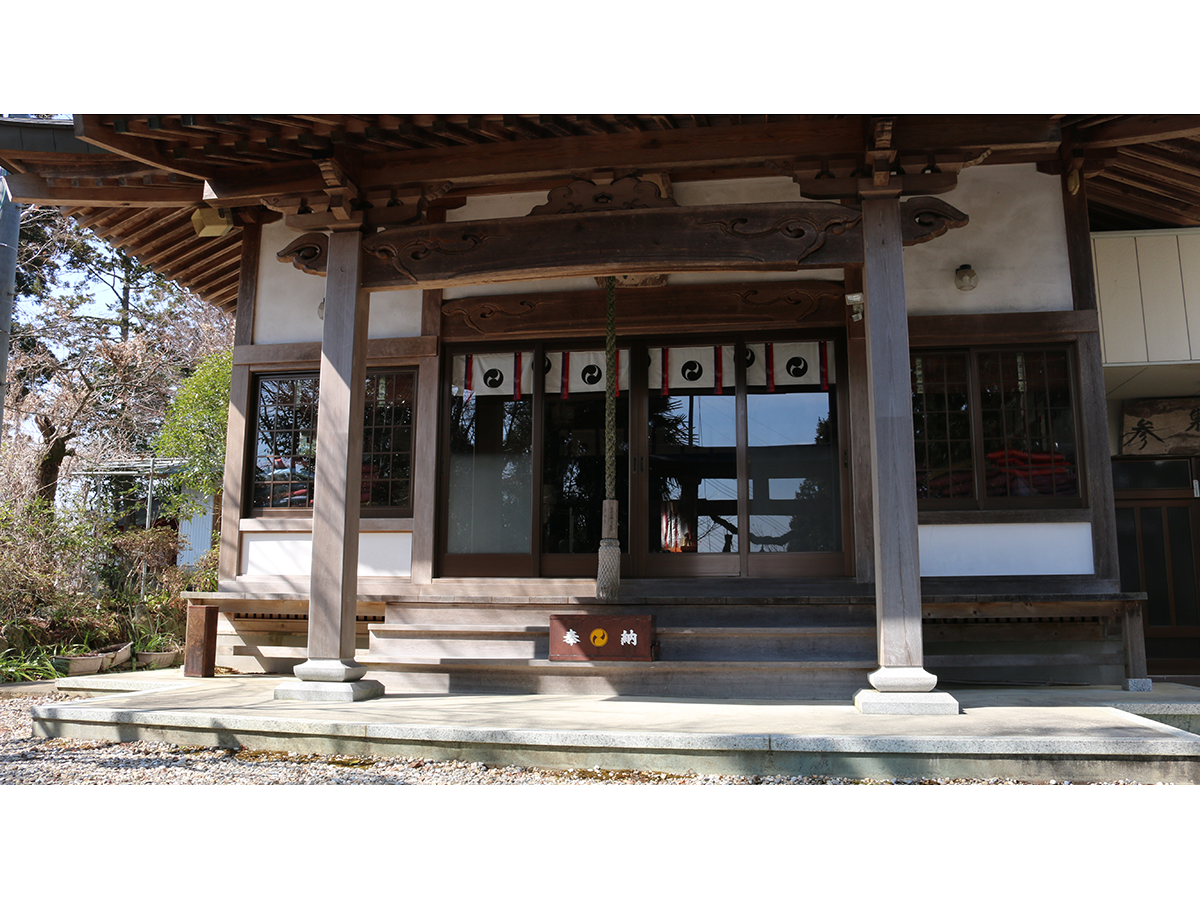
<point>771,680</point>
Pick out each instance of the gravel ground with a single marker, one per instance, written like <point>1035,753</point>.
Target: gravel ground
<point>24,760</point>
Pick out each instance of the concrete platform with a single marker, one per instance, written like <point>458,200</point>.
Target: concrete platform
<point>1067,734</point>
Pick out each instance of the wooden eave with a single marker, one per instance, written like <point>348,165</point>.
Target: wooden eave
<point>136,179</point>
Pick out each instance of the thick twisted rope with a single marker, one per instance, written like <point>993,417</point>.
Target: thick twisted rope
<point>610,391</point>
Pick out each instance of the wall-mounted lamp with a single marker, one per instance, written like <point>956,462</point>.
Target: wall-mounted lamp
<point>855,302</point>
<point>210,222</point>
<point>965,278</point>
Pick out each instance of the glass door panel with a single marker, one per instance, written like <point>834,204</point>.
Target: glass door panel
<point>489,470</point>
<point>793,473</point>
<point>573,474</point>
<point>692,461</point>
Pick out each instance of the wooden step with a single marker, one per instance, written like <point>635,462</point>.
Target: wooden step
<point>676,643</point>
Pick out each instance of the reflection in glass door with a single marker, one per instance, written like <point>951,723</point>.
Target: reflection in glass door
<point>691,479</point>
<point>792,441</point>
<point>573,459</point>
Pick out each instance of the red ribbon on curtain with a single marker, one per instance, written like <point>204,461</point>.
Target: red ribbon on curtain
<point>666,372</point>
<point>824,366</point>
<point>517,375</point>
<point>770,363</point>
<point>718,367</point>
<point>469,380</point>
<point>566,378</point>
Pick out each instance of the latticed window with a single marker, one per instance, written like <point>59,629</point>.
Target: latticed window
<point>994,428</point>
<point>285,437</point>
<point>942,426</point>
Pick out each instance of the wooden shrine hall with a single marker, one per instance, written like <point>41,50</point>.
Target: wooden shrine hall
<point>828,391</point>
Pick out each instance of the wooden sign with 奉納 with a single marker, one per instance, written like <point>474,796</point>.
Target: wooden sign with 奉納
<point>584,637</point>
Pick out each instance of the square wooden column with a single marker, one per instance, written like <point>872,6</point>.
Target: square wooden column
<point>330,671</point>
<point>901,683</point>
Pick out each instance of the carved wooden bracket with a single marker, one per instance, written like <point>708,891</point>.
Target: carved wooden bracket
<point>584,196</point>
<point>309,253</point>
<point>925,218</point>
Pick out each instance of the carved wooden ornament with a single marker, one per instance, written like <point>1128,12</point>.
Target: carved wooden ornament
<point>925,218</point>
<point>584,196</point>
<point>748,237</point>
<point>308,253</point>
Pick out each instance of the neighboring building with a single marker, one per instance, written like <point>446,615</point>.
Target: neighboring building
<point>1149,289</point>
<point>129,487</point>
<point>806,413</point>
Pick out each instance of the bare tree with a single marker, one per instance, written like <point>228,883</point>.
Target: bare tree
<point>99,345</point>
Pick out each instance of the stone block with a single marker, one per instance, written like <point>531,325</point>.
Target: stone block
<point>1136,684</point>
<point>898,703</point>
<point>335,691</point>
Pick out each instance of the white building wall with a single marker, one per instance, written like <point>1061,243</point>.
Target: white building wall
<point>1148,284</point>
<point>1041,548</point>
<point>196,533</point>
<point>287,301</point>
<point>1016,241</point>
<point>289,554</point>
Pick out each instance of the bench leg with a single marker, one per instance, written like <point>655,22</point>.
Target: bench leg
<point>1136,678</point>
<point>200,646</point>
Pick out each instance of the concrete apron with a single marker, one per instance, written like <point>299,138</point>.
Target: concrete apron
<point>1068,734</point>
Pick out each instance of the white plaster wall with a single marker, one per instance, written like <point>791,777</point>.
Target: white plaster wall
<point>1016,241</point>
<point>385,553</point>
<point>289,555</point>
<point>395,314</point>
<point>1059,548</point>
<point>269,553</point>
<point>287,300</point>
<point>285,305</point>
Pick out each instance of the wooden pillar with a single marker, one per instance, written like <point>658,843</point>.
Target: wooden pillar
<point>425,455</point>
<point>897,569</point>
<point>860,438</point>
<point>333,590</point>
<point>1093,406</point>
<point>233,486</point>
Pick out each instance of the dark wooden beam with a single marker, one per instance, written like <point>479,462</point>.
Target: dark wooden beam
<point>702,147</point>
<point>1138,130</point>
<point>1125,198</point>
<point>746,306</point>
<point>1079,239</point>
<point>90,129</point>
<point>760,237</point>
<point>34,189</point>
<point>748,237</point>
<point>251,184</point>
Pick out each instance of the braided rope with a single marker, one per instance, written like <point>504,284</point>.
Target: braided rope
<point>610,390</point>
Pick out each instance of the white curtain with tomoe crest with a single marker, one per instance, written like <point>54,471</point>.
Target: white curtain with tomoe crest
<point>585,372</point>
<point>770,365</point>
<point>495,374</point>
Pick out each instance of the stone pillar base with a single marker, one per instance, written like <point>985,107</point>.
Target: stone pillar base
<point>903,679</point>
<point>329,670</point>
<point>1137,684</point>
<point>336,691</point>
<point>905,703</point>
